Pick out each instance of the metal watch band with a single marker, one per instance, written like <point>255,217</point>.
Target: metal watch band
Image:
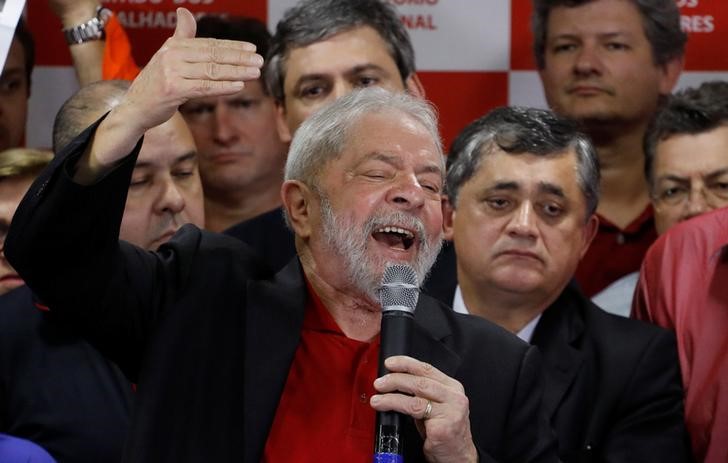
<point>93,29</point>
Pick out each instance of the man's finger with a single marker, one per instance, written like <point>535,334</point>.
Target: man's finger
<point>213,71</point>
<point>186,25</point>
<point>412,406</point>
<point>405,364</point>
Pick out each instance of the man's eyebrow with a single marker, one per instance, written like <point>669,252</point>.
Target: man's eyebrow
<point>716,173</point>
<point>673,178</point>
<point>190,155</point>
<point>12,72</point>
<point>504,186</point>
<point>396,161</point>
<point>364,67</point>
<point>550,188</point>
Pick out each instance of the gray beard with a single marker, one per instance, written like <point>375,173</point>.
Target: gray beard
<point>364,271</point>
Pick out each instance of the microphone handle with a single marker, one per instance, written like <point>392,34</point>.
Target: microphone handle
<point>394,340</point>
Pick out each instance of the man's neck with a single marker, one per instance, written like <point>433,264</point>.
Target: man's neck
<point>356,315</point>
<point>510,310</point>
<point>222,211</point>
<point>624,191</point>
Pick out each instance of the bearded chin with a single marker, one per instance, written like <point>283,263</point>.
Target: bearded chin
<point>363,269</point>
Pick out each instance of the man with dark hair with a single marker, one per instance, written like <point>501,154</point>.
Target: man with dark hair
<point>682,281</point>
<point>686,149</point>
<point>15,88</point>
<point>608,64</point>
<point>322,50</point>
<point>230,360</point>
<point>522,189</point>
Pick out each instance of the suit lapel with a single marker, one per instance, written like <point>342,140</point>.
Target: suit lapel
<point>556,336</point>
<point>275,310</point>
<point>430,336</point>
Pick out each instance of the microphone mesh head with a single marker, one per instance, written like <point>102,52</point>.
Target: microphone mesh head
<point>399,289</point>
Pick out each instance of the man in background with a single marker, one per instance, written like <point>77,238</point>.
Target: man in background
<point>608,64</point>
<point>15,88</point>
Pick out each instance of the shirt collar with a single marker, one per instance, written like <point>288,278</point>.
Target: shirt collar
<point>526,333</point>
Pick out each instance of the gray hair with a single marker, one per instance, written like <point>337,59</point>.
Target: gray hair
<point>322,137</point>
<point>84,107</point>
<point>660,19</point>
<point>518,130</point>
<point>690,111</point>
<point>311,21</point>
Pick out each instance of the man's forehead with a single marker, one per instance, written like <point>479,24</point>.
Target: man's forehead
<point>315,57</point>
<point>602,18</point>
<point>559,168</point>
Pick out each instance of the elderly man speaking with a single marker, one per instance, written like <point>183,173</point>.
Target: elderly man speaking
<point>234,364</point>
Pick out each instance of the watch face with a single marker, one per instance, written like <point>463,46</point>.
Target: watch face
<point>103,14</point>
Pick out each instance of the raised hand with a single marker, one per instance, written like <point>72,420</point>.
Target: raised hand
<point>184,67</point>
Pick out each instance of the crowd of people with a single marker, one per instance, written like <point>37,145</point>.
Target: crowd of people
<point>193,272</point>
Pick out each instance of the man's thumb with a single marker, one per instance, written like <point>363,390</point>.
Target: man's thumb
<point>186,24</point>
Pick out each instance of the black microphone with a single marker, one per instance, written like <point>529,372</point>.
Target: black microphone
<point>398,295</point>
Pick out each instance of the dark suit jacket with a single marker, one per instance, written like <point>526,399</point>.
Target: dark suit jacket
<point>55,389</point>
<point>613,390</point>
<point>211,338</point>
<point>268,235</point>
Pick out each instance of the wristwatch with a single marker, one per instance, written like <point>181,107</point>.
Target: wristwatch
<point>93,29</point>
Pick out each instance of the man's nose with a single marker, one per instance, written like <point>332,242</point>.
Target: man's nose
<point>523,221</point>
<point>224,125</point>
<point>407,193</point>
<point>170,199</point>
<point>588,60</point>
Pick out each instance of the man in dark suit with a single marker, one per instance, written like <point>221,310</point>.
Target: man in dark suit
<point>234,364</point>
<point>522,189</point>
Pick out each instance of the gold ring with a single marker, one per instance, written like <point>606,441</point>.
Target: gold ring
<point>428,410</point>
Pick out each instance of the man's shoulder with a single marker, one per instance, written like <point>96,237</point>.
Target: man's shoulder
<point>621,339</point>
<point>207,250</point>
<point>467,333</point>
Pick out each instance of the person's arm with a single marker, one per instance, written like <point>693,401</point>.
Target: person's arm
<point>64,237</point>
<point>87,57</point>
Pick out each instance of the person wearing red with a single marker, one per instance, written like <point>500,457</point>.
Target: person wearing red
<point>682,287</point>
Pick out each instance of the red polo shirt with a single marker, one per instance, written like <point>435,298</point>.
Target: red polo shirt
<point>684,287</point>
<point>324,412</point>
<point>615,252</point>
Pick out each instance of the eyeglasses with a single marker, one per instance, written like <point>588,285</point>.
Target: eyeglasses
<point>714,193</point>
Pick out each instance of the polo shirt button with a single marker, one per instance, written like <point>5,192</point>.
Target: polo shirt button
<point>621,238</point>
<point>363,398</point>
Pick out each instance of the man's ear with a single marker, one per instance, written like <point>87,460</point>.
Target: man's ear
<point>670,74</point>
<point>414,86</point>
<point>284,133</point>
<point>296,197</point>
<point>590,231</point>
<point>448,218</point>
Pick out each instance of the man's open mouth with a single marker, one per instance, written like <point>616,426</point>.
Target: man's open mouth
<point>394,237</point>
